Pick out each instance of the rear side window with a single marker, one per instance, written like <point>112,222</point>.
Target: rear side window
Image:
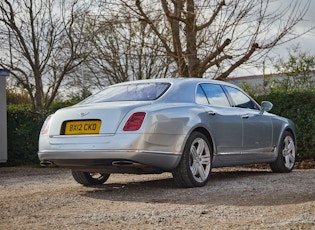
<point>201,97</point>
<point>214,93</point>
<point>240,99</point>
<point>129,92</point>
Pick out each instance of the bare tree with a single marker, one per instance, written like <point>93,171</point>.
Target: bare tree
<point>41,42</point>
<point>125,50</point>
<point>216,37</point>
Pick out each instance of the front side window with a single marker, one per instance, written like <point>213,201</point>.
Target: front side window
<point>240,99</point>
<point>215,95</point>
<point>129,92</point>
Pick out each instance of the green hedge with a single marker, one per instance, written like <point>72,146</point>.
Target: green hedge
<point>23,130</point>
<point>24,125</point>
<point>300,108</point>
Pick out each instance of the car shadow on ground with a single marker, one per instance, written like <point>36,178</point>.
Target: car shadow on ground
<point>260,187</point>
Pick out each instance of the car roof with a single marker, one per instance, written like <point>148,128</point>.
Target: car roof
<point>180,81</point>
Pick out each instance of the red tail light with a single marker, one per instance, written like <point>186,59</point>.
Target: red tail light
<point>46,126</point>
<point>134,122</point>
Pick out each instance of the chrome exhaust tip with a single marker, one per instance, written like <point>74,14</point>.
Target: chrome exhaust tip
<point>46,163</point>
<point>122,163</point>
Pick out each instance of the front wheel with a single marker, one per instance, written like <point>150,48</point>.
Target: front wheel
<point>195,166</point>
<point>286,155</point>
<point>88,179</point>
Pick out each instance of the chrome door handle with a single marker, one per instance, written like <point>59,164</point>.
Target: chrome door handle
<point>245,116</point>
<point>212,113</point>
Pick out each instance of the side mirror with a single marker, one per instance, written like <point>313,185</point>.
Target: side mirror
<point>266,106</point>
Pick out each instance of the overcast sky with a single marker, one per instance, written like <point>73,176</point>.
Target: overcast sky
<point>306,42</point>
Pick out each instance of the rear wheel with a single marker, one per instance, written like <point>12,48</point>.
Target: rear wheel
<point>195,166</point>
<point>88,179</point>
<point>286,155</point>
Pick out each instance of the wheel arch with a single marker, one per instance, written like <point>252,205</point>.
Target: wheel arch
<point>289,129</point>
<point>292,131</point>
<point>205,132</point>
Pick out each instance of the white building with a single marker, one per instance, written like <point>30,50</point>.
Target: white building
<point>263,83</point>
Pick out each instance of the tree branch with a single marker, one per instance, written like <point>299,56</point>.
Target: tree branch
<point>245,58</point>
<point>156,31</point>
<point>213,16</point>
<point>218,51</point>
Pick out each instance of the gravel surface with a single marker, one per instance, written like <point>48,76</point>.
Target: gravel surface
<point>235,198</point>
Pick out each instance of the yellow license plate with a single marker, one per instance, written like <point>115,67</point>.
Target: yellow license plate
<point>82,127</point>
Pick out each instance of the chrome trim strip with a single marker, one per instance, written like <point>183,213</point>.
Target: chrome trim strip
<point>110,151</point>
<point>82,135</point>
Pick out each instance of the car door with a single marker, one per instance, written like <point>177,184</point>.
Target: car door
<point>224,121</point>
<point>257,126</point>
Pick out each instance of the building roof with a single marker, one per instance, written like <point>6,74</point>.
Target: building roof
<point>4,72</point>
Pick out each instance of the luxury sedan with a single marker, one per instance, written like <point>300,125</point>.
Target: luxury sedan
<point>182,126</point>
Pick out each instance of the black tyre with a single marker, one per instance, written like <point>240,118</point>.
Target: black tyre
<point>286,155</point>
<point>88,179</point>
<point>195,166</point>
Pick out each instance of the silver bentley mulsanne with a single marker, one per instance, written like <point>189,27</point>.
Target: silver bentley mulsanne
<point>182,126</point>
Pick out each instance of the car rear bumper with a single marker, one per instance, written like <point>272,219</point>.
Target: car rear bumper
<point>109,159</point>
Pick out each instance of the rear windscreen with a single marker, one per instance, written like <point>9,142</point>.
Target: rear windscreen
<point>129,92</point>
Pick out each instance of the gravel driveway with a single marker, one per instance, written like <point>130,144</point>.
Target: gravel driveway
<point>235,198</point>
